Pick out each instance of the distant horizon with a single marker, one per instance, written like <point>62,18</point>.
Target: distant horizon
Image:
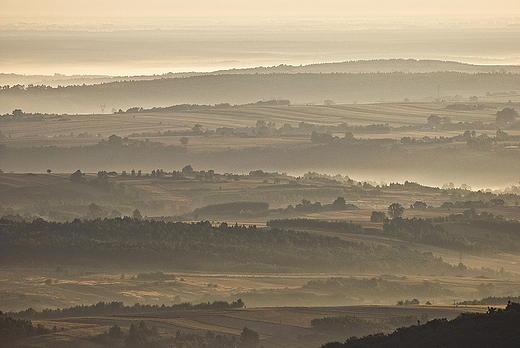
<point>224,69</point>
<point>77,43</point>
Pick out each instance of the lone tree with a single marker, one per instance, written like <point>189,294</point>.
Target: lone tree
<point>339,203</point>
<point>435,120</point>
<point>137,214</point>
<point>506,115</point>
<point>187,171</point>
<point>248,338</point>
<point>184,141</point>
<point>78,177</point>
<point>395,210</point>
<point>377,216</point>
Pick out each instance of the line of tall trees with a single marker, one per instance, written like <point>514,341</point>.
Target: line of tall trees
<point>117,307</point>
<point>167,245</point>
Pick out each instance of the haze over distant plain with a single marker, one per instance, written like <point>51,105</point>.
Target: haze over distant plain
<point>154,37</point>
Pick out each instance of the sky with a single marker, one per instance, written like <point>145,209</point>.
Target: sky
<point>66,10</point>
<point>123,37</point>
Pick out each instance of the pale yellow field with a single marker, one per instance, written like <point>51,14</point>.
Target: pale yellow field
<point>277,326</point>
<point>97,126</point>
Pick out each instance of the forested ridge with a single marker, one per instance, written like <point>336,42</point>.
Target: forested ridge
<point>417,230</point>
<point>248,88</point>
<point>14,329</point>
<point>178,245</point>
<point>496,328</point>
<point>427,231</point>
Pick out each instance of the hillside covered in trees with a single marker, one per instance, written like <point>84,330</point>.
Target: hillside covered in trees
<point>247,88</point>
<point>198,246</point>
<point>496,328</point>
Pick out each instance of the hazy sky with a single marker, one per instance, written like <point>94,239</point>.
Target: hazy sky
<point>66,10</point>
<point>86,36</point>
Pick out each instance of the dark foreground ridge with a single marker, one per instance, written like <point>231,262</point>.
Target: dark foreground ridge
<point>496,328</point>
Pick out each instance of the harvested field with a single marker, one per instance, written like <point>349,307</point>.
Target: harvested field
<point>278,327</point>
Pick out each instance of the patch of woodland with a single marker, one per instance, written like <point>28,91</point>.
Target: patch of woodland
<point>116,308</point>
<point>349,325</point>
<point>198,246</point>
<point>12,329</point>
<point>427,231</point>
<point>496,328</point>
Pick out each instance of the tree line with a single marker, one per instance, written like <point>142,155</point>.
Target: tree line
<point>143,336</point>
<point>416,230</point>
<point>116,307</point>
<point>496,328</point>
<point>12,330</point>
<point>175,245</point>
<point>247,88</point>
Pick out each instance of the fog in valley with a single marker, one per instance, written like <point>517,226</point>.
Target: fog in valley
<point>259,173</point>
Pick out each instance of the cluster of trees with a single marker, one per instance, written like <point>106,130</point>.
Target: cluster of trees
<point>486,220</point>
<point>12,330</point>
<point>377,216</point>
<point>308,207</point>
<point>435,122</point>
<point>197,107</point>
<point>142,336</point>
<point>209,340</point>
<point>318,133</point>
<point>196,245</point>
<point>116,307</point>
<point>491,301</point>
<point>465,204</point>
<point>18,115</point>
<point>477,198</point>
<point>335,226</point>
<point>425,231</point>
<point>103,179</point>
<point>157,276</point>
<point>415,230</point>
<point>186,173</point>
<point>262,208</point>
<point>426,140</point>
<point>103,182</point>
<point>414,302</point>
<point>348,325</point>
<point>506,115</point>
<point>137,335</point>
<point>115,141</point>
<point>327,137</point>
<point>496,328</point>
